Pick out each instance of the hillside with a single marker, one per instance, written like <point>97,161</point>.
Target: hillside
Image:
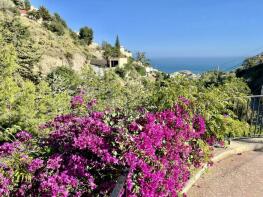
<point>253,76</point>
<point>44,42</point>
<point>54,50</point>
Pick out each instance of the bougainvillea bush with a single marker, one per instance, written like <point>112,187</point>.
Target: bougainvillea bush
<point>86,151</point>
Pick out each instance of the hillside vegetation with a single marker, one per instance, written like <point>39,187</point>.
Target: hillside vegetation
<point>52,50</point>
<point>252,71</point>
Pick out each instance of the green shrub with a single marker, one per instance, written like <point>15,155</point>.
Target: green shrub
<point>121,72</point>
<point>60,20</point>
<point>213,101</point>
<point>28,54</point>
<point>44,13</point>
<point>55,27</point>
<point>34,15</point>
<point>141,70</point>
<point>86,35</point>
<point>22,103</point>
<point>63,79</point>
<point>74,35</point>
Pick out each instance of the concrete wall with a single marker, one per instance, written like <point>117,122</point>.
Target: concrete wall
<point>123,61</point>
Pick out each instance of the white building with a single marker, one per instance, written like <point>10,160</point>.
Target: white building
<point>125,52</point>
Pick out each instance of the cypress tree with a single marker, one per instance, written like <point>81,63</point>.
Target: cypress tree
<point>117,47</point>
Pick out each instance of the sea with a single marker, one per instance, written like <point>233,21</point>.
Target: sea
<point>196,65</point>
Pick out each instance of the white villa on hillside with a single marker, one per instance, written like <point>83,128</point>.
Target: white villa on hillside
<point>121,61</point>
<point>113,62</point>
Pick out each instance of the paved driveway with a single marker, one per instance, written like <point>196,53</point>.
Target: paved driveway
<point>237,176</point>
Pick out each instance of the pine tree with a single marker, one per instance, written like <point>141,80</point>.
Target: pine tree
<point>27,51</point>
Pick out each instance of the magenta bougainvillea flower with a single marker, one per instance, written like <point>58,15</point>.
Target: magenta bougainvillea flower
<point>84,155</point>
<point>23,136</point>
<point>77,101</point>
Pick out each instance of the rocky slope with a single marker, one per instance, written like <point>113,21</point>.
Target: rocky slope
<point>54,50</point>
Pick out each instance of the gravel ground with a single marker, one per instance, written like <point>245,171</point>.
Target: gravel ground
<point>237,176</point>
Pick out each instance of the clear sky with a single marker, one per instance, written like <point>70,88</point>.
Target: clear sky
<point>170,28</point>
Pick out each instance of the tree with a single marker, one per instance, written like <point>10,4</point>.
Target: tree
<point>27,5</point>
<point>22,103</point>
<point>117,47</point>
<point>86,34</point>
<point>34,15</point>
<point>60,20</point>
<point>44,13</point>
<point>28,54</point>
<point>108,51</point>
<point>141,57</point>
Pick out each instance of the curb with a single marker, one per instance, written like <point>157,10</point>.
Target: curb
<point>236,147</point>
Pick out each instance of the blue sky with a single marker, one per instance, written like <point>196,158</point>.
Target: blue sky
<point>170,28</point>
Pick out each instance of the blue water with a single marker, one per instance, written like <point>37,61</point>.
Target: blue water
<point>196,64</point>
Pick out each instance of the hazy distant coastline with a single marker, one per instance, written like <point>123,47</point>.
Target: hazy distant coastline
<point>196,64</point>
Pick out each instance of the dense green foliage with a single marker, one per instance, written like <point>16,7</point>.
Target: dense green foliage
<point>44,13</point>
<point>63,79</point>
<point>55,27</point>
<point>213,97</point>
<point>111,51</point>
<point>252,61</point>
<point>86,35</point>
<point>252,71</point>
<point>108,51</point>
<point>27,52</point>
<point>253,76</point>
<point>23,103</point>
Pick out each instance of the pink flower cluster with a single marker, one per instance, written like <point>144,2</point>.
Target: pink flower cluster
<point>23,136</point>
<point>4,185</point>
<point>163,148</point>
<point>77,101</point>
<point>85,154</point>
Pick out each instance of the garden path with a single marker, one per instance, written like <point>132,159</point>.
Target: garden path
<point>237,176</point>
